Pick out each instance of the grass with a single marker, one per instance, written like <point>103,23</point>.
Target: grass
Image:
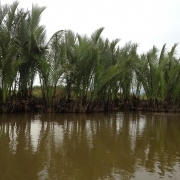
<point>37,91</point>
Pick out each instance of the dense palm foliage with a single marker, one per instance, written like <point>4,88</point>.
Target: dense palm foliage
<point>88,69</point>
<point>21,45</point>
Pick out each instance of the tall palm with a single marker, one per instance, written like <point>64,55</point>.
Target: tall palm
<point>32,42</point>
<point>87,59</point>
<point>171,75</point>
<point>126,61</point>
<point>148,70</point>
<point>9,50</point>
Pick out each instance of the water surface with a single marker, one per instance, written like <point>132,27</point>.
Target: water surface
<point>90,146</point>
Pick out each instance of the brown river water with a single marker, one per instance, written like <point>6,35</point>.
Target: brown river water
<point>97,146</point>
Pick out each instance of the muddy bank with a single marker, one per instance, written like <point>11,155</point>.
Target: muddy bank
<point>60,105</point>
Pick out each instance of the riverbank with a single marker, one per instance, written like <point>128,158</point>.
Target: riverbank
<point>60,105</point>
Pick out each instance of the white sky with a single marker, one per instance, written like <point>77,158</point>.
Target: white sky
<point>146,22</point>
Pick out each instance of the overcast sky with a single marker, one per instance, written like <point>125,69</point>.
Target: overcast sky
<point>146,22</point>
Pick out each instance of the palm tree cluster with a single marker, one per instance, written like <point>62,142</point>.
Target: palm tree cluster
<point>89,69</point>
<point>21,46</point>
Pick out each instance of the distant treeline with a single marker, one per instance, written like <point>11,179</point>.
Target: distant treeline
<point>90,70</point>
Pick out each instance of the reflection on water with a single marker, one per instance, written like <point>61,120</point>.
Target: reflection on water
<point>89,146</point>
